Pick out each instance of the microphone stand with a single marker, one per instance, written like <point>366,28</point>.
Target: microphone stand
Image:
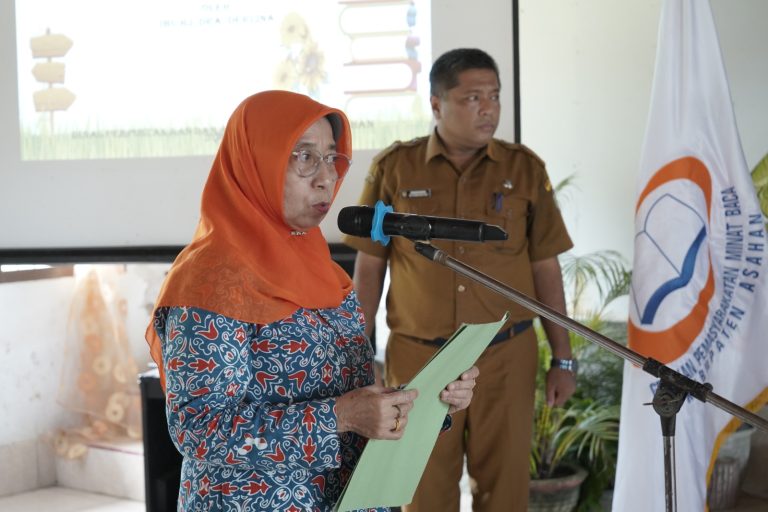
<point>669,396</point>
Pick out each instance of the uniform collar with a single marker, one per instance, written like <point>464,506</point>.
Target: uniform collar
<point>436,147</point>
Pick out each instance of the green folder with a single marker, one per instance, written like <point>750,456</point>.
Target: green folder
<point>389,471</point>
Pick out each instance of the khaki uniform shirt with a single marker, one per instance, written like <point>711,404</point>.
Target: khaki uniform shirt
<point>506,185</point>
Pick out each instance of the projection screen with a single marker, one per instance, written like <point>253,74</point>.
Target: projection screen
<point>112,111</point>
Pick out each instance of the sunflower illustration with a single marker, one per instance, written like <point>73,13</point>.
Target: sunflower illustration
<point>285,76</point>
<point>293,29</point>
<point>303,66</point>
<point>312,67</point>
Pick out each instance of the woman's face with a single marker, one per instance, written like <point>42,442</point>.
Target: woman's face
<point>306,200</point>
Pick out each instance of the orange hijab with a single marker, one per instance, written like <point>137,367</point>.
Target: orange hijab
<point>243,262</point>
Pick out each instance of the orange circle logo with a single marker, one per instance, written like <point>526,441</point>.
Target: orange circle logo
<point>673,280</point>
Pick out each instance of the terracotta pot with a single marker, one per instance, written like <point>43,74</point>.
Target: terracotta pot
<point>557,494</point>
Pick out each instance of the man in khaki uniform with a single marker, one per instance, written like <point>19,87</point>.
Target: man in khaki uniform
<point>461,171</point>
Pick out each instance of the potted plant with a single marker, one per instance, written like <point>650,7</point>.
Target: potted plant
<point>575,445</point>
<point>566,439</point>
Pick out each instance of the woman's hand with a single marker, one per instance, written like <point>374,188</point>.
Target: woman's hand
<point>458,393</point>
<point>375,412</point>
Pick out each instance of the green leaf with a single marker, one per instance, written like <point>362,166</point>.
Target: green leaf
<point>760,179</point>
<point>760,173</point>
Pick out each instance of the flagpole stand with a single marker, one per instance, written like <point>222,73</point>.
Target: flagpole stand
<point>669,397</point>
<point>667,401</point>
<point>673,388</point>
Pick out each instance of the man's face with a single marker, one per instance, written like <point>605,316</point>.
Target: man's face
<point>467,115</point>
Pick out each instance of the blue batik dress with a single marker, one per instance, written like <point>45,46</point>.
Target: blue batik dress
<point>251,407</point>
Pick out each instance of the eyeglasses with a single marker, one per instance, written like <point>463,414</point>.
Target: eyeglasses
<point>308,162</point>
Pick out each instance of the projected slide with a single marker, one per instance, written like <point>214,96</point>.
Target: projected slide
<point>159,78</point>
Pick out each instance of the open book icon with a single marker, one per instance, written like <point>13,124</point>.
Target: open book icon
<point>670,240</point>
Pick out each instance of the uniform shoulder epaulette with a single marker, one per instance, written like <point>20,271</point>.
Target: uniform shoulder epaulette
<point>395,146</point>
<point>415,141</point>
<point>521,147</point>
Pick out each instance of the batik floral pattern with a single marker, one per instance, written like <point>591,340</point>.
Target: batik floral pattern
<point>251,407</point>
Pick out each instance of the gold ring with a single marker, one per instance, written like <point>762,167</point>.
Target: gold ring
<point>399,412</point>
<point>397,425</point>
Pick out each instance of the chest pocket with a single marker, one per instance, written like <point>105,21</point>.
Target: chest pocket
<point>511,214</point>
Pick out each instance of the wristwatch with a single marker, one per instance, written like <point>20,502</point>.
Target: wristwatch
<point>571,365</point>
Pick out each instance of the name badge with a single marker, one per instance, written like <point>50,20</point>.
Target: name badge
<point>416,193</point>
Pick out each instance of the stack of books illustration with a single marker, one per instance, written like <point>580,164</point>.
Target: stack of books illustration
<point>672,233</point>
<point>383,47</point>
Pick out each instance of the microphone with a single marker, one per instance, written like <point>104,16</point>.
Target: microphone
<point>381,222</point>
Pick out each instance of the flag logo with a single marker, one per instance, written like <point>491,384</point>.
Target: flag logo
<point>672,230</point>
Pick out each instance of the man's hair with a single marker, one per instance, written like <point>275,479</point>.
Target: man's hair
<point>444,75</point>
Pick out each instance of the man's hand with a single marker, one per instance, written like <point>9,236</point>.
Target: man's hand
<point>560,386</point>
<point>458,394</point>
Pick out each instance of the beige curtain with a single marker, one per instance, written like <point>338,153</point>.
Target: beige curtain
<point>99,377</point>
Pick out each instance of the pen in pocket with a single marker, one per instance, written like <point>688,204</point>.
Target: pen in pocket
<point>497,201</point>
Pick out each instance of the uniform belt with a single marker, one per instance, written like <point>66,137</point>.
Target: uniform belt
<point>502,336</point>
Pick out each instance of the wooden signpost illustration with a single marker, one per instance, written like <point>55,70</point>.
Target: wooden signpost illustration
<point>53,98</point>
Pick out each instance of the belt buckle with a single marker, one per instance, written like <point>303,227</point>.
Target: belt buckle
<point>437,342</point>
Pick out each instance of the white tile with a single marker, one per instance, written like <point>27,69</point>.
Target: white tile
<point>115,469</point>
<point>18,467</point>
<point>59,499</point>
<point>46,465</point>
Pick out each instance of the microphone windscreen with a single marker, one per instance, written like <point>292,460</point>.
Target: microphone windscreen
<point>355,220</point>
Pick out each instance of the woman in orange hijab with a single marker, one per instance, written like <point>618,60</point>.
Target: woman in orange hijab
<point>257,332</point>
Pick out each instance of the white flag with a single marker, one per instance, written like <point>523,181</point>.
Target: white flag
<point>699,297</point>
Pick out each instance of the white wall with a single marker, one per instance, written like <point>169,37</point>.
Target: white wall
<point>586,72</point>
<point>34,322</point>
<point>34,316</point>
<point>744,40</point>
